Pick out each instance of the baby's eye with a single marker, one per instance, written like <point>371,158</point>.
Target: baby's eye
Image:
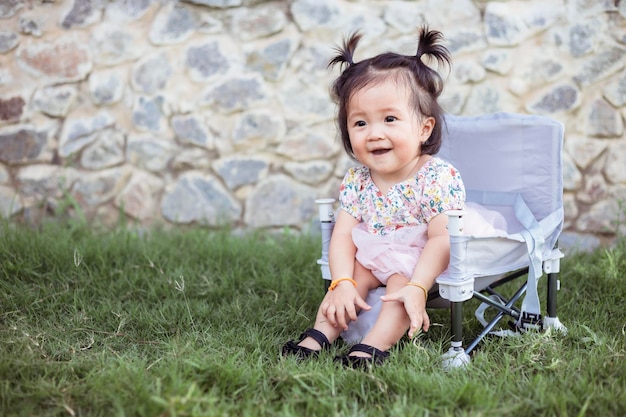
<point>389,119</point>
<point>359,123</point>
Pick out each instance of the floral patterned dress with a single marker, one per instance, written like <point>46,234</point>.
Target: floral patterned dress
<point>392,228</point>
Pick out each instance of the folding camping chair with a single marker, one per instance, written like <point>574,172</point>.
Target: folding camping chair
<point>512,171</point>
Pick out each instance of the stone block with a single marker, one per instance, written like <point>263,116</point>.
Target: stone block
<point>148,114</point>
<point>497,60</point>
<point>106,150</point>
<point>604,217</point>
<point>127,10</point>
<point>484,98</point>
<point>112,45</point>
<point>404,16</point>
<point>603,64</point>
<point>190,129</point>
<point>465,40</point>
<point>581,40</point>
<point>8,41</point>
<point>306,145</point>
<point>107,86</point>
<point>10,202</point>
<point>510,23</point>
<point>272,60</point>
<point>302,101</point>
<point>468,71</point>
<point>604,120</point>
<point>239,171</point>
<point>173,24</point>
<point>279,201</point>
<point>572,177</point>
<point>574,242</point>
<point>9,7</point>
<point>152,74</point>
<point>83,13</point>
<point>23,144</point>
<point>150,153</point>
<point>207,61</point>
<point>311,14</point>
<point>615,166</point>
<point>11,109</point>
<point>594,189</point>
<point>64,60</point>
<point>309,172</point>
<point>140,196</point>
<point>55,101</point>
<point>615,91</point>
<point>40,182</point>
<point>198,198</point>
<point>92,189</point>
<point>584,150</point>
<point>562,98</point>
<point>258,22</point>
<point>79,132</point>
<point>31,25</point>
<point>236,94</point>
<point>255,130</point>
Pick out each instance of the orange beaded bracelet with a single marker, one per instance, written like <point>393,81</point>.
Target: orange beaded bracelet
<point>336,282</point>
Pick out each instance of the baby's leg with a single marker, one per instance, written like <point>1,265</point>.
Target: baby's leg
<point>392,321</point>
<point>366,281</point>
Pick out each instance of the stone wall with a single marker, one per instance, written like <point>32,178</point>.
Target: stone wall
<point>217,111</point>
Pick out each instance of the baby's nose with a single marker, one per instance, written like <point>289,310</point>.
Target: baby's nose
<point>376,131</point>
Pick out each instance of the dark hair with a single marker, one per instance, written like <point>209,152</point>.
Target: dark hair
<point>425,83</point>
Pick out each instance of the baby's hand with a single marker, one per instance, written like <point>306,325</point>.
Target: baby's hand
<point>343,299</point>
<point>415,305</point>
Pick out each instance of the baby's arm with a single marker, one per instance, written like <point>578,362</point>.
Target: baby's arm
<point>344,299</point>
<point>432,262</point>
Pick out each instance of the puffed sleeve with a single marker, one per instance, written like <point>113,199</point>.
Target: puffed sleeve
<point>349,192</point>
<point>443,191</point>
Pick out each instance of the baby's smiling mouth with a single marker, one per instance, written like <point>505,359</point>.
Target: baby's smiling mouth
<point>380,151</point>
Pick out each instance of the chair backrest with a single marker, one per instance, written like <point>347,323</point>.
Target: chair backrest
<point>509,152</point>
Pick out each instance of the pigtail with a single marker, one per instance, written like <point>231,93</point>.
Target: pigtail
<point>345,53</point>
<point>430,45</point>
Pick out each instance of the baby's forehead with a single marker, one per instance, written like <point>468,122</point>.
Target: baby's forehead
<point>394,87</point>
<point>389,88</point>
<point>387,79</point>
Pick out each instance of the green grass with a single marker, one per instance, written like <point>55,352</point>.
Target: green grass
<point>190,323</point>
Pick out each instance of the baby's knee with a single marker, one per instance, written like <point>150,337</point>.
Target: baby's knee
<point>396,281</point>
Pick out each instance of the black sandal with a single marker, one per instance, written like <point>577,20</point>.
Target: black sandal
<point>358,362</point>
<point>301,352</point>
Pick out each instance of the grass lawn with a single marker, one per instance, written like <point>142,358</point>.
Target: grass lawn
<point>190,323</point>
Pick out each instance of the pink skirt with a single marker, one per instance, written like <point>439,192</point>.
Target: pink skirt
<point>394,253</point>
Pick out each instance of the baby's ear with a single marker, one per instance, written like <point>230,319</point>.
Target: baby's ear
<point>428,124</point>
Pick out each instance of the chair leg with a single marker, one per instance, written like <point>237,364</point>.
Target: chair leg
<point>551,321</point>
<point>553,287</point>
<point>456,356</point>
<point>456,319</point>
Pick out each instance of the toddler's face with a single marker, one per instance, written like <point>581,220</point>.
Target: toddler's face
<point>385,132</point>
